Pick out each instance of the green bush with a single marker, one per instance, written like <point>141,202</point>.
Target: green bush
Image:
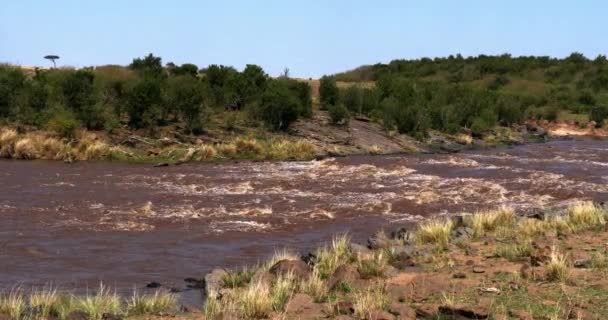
<point>79,96</point>
<point>279,106</point>
<point>338,114</point>
<point>599,114</point>
<point>143,103</point>
<point>187,95</point>
<point>63,122</point>
<point>328,91</point>
<point>353,99</point>
<point>11,81</point>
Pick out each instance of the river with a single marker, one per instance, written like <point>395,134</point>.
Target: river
<point>73,225</point>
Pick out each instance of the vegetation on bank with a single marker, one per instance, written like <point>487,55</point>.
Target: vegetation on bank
<point>487,265</point>
<point>48,303</point>
<point>91,146</point>
<point>477,93</point>
<point>369,289</point>
<point>219,103</point>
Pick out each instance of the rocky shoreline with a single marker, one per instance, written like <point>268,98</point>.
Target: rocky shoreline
<point>499,264</point>
<point>463,267</point>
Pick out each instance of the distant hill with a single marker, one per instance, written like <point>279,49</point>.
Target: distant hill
<point>573,81</point>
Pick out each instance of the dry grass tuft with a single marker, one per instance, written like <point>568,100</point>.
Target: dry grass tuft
<point>280,255</point>
<point>283,288</point>
<point>206,152</point>
<point>45,301</point>
<point>315,287</point>
<point>585,215</point>
<point>288,150</point>
<point>373,299</point>
<point>227,150</point>
<point>160,301</point>
<point>329,259</point>
<point>558,268</point>
<point>435,232</point>
<point>8,137</point>
<point>255,301</point>
<point>484,222</point>
<point>26,149</point>
<point>247,146</point>
<point>13,303</point>
<point>102,302</point>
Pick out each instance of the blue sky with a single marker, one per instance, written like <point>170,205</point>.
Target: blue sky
<point>312,38</point>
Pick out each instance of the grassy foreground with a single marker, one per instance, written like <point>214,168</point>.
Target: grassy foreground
<point>487,265</point>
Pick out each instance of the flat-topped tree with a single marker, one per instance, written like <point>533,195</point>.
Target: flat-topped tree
<point>52,57</point>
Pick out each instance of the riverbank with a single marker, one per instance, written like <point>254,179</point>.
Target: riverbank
<point>548,264</point>
<point>313,138</point>
<point>490,265</point>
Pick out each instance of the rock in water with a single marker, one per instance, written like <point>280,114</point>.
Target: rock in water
<point>214,282</point>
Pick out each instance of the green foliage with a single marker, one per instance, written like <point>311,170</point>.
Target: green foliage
<point>599,114</point>
<point>11,81</point>
<point>142,103</point>
<point>80,97</point>
<point>338,114</point>
<point>328,91</point>
<point>63,122</point>
<point>150,65</point>
<point>353,99</point>
<point>187,95</point>
<point>185,69</point>
<point>278,106</point>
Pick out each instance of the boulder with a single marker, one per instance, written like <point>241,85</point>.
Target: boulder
<point>426,311</point>
<point>194,283</point>
<point>583,263</point>
<point>345,273</point>
<point>363,253</point>
<point>301,306</point>
<point>76,315</point>
<point>378,241</point>
<point>402,259</point>
<point>309,259</point>
<point>214,281</point>
<point>463,233</point>
<point>344,307</point>
<point>403,311</point>
<point>403,234</point>
<point>380,315</point>
<point>467,312</point>
<point>111,316</point>
<point>298,268</point>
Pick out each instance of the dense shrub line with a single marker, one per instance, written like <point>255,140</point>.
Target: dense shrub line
<point>475,92</point>
<point>145,95</point>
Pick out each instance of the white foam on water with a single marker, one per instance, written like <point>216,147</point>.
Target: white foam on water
<point>238,225</point>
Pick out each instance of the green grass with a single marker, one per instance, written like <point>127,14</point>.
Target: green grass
<point>436,232</point>
<point>160,301</point>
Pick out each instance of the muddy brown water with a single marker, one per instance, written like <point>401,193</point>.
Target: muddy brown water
<point>126,225</point>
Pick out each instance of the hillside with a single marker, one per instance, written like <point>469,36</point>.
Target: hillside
<point>148,111</point>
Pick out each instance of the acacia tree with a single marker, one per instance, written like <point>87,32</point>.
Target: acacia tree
<point>52,57</point>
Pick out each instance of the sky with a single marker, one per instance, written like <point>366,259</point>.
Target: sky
<point>311,38</point>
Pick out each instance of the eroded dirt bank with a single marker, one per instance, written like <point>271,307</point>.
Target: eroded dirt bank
<point>131,224</point>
